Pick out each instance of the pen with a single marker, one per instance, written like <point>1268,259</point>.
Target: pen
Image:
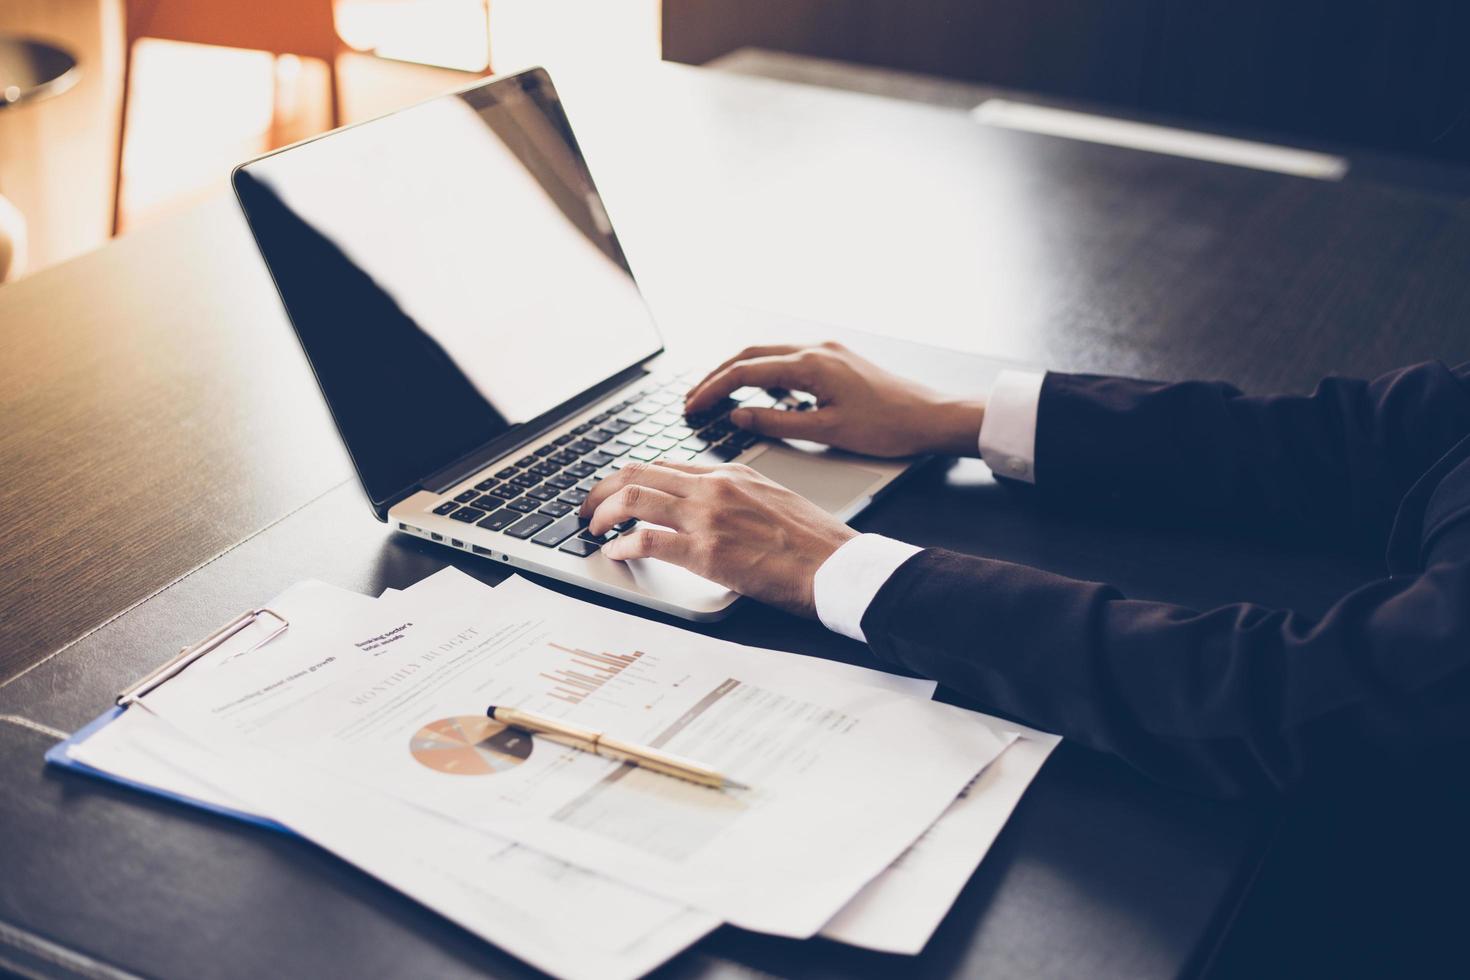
<point>612,748</point>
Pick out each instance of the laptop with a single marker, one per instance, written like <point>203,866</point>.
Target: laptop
<point>478,335</point>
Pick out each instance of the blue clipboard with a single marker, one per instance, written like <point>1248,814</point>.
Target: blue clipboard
<point>59,754</point>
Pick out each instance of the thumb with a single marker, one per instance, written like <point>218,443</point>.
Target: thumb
<point>782,424</point>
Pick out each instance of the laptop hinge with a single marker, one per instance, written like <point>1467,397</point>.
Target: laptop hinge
<point>477,459</point>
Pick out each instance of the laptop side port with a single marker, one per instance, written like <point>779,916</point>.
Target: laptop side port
<point>483,551</point>
<point>456,542</point>
<point>436,535</point>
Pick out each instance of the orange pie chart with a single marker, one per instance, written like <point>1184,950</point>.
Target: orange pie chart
<point>469,745</point>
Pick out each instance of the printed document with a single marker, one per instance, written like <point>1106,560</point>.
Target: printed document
<point>566,921</point>
<point>844,776</point>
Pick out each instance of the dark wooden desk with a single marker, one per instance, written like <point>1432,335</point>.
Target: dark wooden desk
<point>167,462</point>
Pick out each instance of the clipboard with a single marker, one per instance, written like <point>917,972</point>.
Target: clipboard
<point>59,755</point>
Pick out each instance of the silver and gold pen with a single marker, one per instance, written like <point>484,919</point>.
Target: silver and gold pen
<point>608,747</point>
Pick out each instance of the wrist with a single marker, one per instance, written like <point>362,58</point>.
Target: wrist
<point>953,427</point>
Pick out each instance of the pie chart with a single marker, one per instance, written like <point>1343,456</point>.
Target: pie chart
<point>469,745</point>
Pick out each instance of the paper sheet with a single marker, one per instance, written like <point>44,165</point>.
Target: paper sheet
<point>896,912</point>
<point>783,857</point>
<point>900,909</point>
<point>566,921</point>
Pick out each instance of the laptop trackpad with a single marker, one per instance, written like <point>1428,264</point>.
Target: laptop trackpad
<point>831,484</point>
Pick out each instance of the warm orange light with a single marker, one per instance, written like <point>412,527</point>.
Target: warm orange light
<point>196,110</point>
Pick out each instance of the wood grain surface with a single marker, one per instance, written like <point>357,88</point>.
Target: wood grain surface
<point>153,412</point>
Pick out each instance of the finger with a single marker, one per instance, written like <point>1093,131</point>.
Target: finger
<point>783,371</point>
<point>649,543</point>
<point>784,424</point>
<point>683,467</point>
<point>769,350</point>
<point>663,478</point>
<point>644,503</point>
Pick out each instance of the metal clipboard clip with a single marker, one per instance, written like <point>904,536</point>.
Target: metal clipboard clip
<point>188,655</point>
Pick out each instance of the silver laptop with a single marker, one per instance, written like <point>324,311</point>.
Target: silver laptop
<point>479,337</point>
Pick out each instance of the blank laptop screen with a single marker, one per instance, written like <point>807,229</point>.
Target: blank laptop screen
<point>451,274</point>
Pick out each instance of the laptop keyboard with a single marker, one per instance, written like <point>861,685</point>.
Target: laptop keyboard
<point>538,495</point>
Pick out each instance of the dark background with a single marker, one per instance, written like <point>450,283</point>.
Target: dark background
<point>1393,76</point>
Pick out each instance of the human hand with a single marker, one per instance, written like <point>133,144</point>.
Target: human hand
<point>860,406</point>
<point>727,523</point>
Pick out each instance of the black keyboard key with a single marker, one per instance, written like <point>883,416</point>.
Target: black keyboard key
<point>559,532</point>
<point>578,547</point>
<point>563,440</point>
<point>467,496</point>
<point>626,525</point>
<point>578,430</point>
<point>484,485</point>
<point>448,507</point>
<point>545,450</point>
<point>545,468</point>
<point>468,515</point>
<point>500,521</point>
<point>724,452</point>
<point>563,458</point>
<point>581,470</point>
<point>556,509</point>
<point>527,480</point>
<point>506,473</point>
<point>488,502</point>
<point>544,493</point>
<point>598,459</point>
<point>574,497</point>
<point>597,539</point>
<point>525,461</point>
<point>507,490</point>
<point>598,436</point>
<point>562,482</point>
<point>528,525</point>
<point>525,505</point>
<point>616,426</point>
<point>599,419</point>
<point>581,446</point>
<point>743,440</point>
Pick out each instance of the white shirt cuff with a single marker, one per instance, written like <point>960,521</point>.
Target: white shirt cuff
<point>847,581</point>
<point>1008,433</point>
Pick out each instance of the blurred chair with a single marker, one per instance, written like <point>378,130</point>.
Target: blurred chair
<point>305,28</point>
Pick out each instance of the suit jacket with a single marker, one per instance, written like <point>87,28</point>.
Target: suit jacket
<point>1240,699</point>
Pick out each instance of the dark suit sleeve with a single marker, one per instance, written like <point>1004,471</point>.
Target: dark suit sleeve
<point>1231,701</point>
<point>1332,464</point>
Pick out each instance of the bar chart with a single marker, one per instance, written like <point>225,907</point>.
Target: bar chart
<point>586,671</point>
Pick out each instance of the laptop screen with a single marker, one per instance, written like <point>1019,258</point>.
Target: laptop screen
<point>451,274</point>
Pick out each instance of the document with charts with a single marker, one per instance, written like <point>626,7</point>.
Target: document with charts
<point>844,776</point>
<point>566,921</point>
